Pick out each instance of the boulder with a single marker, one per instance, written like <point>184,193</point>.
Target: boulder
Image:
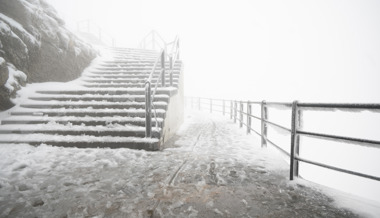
<point>35,42</point>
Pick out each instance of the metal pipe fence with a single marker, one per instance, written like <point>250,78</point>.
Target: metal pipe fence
<point>243,113</point>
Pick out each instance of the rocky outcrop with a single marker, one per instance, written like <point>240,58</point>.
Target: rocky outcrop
<point>36,46</point>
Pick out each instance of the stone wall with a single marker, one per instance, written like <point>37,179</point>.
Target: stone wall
<point>35,42</point>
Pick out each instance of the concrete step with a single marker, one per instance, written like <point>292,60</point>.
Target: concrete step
<point>133,68</point>
<point>150,144</point>
<point>94,105</point>
<point>114,81</point>
<point>87,121</point>
<point>113,92</point>
<point>108,98</point>
<point>137,64</point>
<point>123,76</point>
<point>123,85</point>
<point>67,130</point>
<point>132,72</point>
<point>85,112</point>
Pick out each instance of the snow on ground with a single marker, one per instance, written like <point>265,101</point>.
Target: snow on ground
<point>210,169</point>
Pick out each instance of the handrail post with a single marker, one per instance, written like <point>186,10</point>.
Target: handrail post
<point>210,105</point>
<point>235,111</point>
<point>153,41</point>
<point>192,99</point>
<point>241,114</point>
<point>295,140</point>
<point>224,107</point>
<point>231,109</point>
<point>249,113</point>
<point>199,103</point>
<point>148,111</point>
<point>171,70</point>
<point>178,49</point>
<point>264,116</point>
<point>163,69</point>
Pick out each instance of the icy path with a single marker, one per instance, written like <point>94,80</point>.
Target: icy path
<point>211,169</point>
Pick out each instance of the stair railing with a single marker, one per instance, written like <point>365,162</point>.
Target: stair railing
<point>153,40</point>
<point>88,26</point>
<point>149,95</point>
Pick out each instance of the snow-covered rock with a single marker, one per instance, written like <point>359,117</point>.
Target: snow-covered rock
<point>37,47</point>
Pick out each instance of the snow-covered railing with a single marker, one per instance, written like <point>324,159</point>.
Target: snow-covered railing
<point>87,26</point>
<point>163,56</point>
<point>153,40</point>
<point>238,110</point>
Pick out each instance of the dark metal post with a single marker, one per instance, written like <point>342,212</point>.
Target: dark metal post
<point>235,111</point>
<point>241,114</point>
<point>224,107</point>
<point>294,143</point>
<point>210,105</point>
<point>171,70</point>
<point>264,116</point>
<point>153,41</point>
<point>249,112</point>
<point>178,49</point>
<point>231,109</point>
<point>163,68</point>
<point>148,111</point>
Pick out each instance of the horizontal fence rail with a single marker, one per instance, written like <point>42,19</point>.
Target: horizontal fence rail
<point>241,112</point>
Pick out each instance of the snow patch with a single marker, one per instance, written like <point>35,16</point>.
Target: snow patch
<point>20,28</point>
<point>16,78</point>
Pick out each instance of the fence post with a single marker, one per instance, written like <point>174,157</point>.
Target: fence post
<point>153,41</point>
<point>171,70</point>
<point>231,109</point>
<point>210,105</point>
<point>235,111</point>
<point>241,114</point>
<point>192,102</point>
<point>295,141</point>
<point>163,68</point>
<point>224,107</point>
<point>148,111</point>
<point>199,103</point>
<point>249,113</point>
<point>264,116</point>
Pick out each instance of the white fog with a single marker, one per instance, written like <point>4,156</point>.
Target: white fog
<point>318,51</point>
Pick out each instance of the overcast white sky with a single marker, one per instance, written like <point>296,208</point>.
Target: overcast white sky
<point>323,50</point>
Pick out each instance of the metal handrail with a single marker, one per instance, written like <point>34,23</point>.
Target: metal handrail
<point>151,38</point>
<point>149,95</point>
<point>99,31</point>
<point>295,130</point>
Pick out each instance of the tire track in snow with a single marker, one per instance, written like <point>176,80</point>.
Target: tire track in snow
<point>151,212</point>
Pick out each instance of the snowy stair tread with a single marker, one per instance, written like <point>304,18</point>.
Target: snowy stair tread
<point>74,120</point>
<point>107,111</point>
<point>150,144</point>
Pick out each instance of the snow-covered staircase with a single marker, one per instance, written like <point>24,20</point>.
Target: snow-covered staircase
<point>106,109</point>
